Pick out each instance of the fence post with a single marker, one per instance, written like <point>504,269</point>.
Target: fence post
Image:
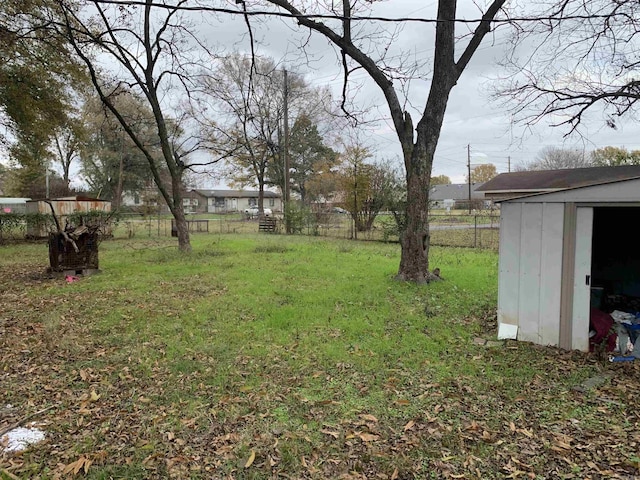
<point>475,231</point>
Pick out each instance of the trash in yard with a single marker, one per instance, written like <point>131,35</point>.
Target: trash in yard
<point>71,278</point>
<point>20,438</point>
<point>621,358</point>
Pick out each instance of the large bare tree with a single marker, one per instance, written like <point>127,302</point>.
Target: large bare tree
<point>148,47</point>
<point>418,140</point>
<point>245,104</point>
<point>555,158</point>
<point>585,63</point>
<point>245,98</point>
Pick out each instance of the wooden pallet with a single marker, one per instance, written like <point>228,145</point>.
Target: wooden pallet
<point>267,224</point>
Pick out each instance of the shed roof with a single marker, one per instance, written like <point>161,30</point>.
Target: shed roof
<point>614,191</point>
<point>551,180</point>
<point>235,193</point>
<point>13,200</point>
<point>455,191</point>
<point>75,198</point>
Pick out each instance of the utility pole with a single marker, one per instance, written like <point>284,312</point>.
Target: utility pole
<point>46,182</point>
<point>469,173</point>
<point>285,152</point>
<point>355,199</point>
<point>509,164</point>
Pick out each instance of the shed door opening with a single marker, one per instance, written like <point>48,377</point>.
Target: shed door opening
<point>615,259</point>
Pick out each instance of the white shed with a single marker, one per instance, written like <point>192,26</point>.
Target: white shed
<point>559,248</point>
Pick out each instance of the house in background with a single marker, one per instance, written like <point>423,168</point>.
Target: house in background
<point>228,201</point>
<point>566,247</point>
<point>456,196</point>
<point>146,201</point>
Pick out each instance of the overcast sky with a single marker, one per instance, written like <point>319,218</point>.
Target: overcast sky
<point>472,117</point>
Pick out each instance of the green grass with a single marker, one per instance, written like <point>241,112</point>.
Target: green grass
<point>304,351</point>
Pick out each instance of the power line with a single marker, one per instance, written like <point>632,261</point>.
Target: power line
<point>357,18</point>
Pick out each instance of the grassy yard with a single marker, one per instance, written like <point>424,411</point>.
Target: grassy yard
<point>264,356</point>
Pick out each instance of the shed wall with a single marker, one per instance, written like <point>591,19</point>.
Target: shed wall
<point>530,271</point>
<point>62,208</point>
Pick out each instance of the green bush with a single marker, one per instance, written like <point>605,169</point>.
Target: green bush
<point>16,225</point>
<point>299,217</point>
<point>390,229</point>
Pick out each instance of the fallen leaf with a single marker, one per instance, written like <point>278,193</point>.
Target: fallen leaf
<point>394,475</point>
<point>94,397</point>
<point>74,467</point>
<point>562,445</point>
<point>409,425</point>
<point>367,437</point>
<point>369,418</point>
<point>331,433</point>
<point>252,457</point>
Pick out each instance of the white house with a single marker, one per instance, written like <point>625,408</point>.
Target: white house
<point>456,195</point>
<point>560,246</point>
<point>230,201</point>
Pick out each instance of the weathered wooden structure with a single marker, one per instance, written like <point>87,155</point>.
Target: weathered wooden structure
<point>72,253</point>
<point>63,207</point>
<point>267,224</point>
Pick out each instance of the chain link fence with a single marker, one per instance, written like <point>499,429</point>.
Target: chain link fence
<point>460,230</point>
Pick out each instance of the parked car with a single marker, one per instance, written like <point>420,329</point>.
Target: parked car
<point>339,210</point>
<point>253,212</point>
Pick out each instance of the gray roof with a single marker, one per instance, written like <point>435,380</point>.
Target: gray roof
<point>13,200</point>
<point>549,180</point>
<point>235,193</point>
<point>455,191</point>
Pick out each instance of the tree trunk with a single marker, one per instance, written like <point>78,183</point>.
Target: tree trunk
<point>65,173</point>
<point>414,238</point>
<point>261,197</point>
<point>177,210</point>
<point>184,242</point>
<point>118,194</point>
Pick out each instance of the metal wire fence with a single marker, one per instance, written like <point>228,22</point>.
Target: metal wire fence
<point>460,230</point>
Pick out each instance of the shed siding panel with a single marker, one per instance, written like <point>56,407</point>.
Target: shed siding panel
<point>581,293</point>
<point>509,266</point>
<point>551,273</point>
<point>529,288</point>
